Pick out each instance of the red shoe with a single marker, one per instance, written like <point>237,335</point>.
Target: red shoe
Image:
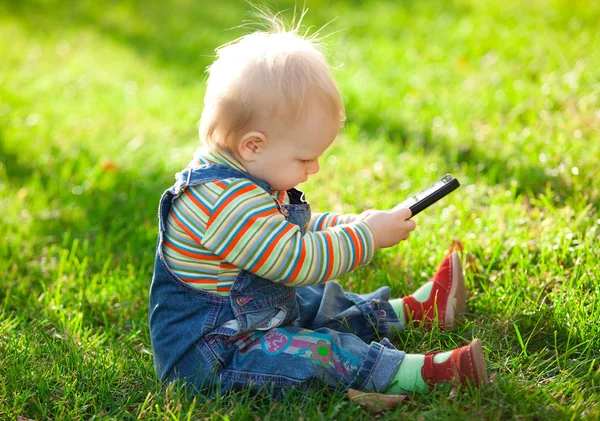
<point>446,300</point>
<point>466,364</point>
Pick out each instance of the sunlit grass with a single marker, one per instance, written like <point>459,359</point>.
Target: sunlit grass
<point>99,106</point>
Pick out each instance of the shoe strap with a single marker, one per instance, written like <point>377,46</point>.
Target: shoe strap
<point>428,372</point>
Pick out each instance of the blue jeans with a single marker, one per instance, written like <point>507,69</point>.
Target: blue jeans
<point>322,334</point>
<point>329,345</point>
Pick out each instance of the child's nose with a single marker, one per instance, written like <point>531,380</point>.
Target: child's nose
<point>313,167</point>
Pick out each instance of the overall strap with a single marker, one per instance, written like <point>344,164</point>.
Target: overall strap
<point>200,175</point>
<point>212,172</point>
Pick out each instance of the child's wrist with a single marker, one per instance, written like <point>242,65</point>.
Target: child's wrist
<point>371,238</point>
<point>351,217</point>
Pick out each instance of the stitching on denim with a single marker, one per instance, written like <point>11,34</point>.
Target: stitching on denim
<point>376,360</point>
<point>289,296</point>
<point>282,299</point>
<point>366,308</point>
<point>161,222</point>
<point>235,281</point>
<point>261,377</point>
<point>222,331</point>
<point>222,172</point>
<point>268,305</point>
<point>212,317</point>
<point>213,355</point>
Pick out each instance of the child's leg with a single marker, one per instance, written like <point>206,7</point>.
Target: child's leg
<point>289,357</point>
<point>284,358</point>
<point>440,300</point>
<point>368,316</point>
<point>374,315</point>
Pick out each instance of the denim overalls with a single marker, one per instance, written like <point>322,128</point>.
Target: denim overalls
<point>285,337</point>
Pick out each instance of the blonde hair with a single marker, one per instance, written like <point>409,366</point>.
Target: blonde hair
<point>265,76</point>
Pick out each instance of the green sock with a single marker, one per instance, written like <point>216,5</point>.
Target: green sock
<point>398,306</point>
<point>421,295</point>
<point>408,378</point>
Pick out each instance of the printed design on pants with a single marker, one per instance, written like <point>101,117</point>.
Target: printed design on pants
<point>316,347</point>
<point>321,352</point>
<point>275,342</point>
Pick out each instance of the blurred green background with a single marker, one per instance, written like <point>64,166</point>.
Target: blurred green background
<point>99,105</point>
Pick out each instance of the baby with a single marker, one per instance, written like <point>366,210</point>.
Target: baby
<point>242,293</point>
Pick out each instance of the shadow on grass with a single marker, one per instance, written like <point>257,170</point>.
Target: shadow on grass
<point>16,170</point>
<point>181,37</point>
<point>90,250</point>
<point>116,208</point>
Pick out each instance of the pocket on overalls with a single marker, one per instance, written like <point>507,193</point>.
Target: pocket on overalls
<point>259,303</point>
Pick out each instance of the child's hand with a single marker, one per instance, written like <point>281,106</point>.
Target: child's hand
<point>389,227</point>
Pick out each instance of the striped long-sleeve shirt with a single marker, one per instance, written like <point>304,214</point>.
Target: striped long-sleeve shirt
<point>216,229</point>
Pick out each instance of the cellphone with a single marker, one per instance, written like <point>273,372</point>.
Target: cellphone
<point>428,196</point>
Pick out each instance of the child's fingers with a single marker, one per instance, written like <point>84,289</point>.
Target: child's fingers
<point>404,224</point>
<point>410,225</point>
<point>402,213</point>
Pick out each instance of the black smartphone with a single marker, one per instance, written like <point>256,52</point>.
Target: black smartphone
<point>427,197</point>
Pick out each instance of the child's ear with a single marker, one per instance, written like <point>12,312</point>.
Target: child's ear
<point>251,145</point>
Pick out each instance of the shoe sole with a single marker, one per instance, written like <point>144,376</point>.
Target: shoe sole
<point>479,364</point>
<point>457,298</point>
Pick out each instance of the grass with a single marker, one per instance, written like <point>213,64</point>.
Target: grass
<point>98,109</point>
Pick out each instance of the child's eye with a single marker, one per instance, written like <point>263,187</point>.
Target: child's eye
<point>306,161</point>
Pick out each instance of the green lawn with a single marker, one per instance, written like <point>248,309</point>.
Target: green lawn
<point>99,105</point>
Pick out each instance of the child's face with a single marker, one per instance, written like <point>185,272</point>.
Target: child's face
<point>291,154</point>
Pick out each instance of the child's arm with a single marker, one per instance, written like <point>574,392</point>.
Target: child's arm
<point>245,229</point>
<point>322,221</point>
